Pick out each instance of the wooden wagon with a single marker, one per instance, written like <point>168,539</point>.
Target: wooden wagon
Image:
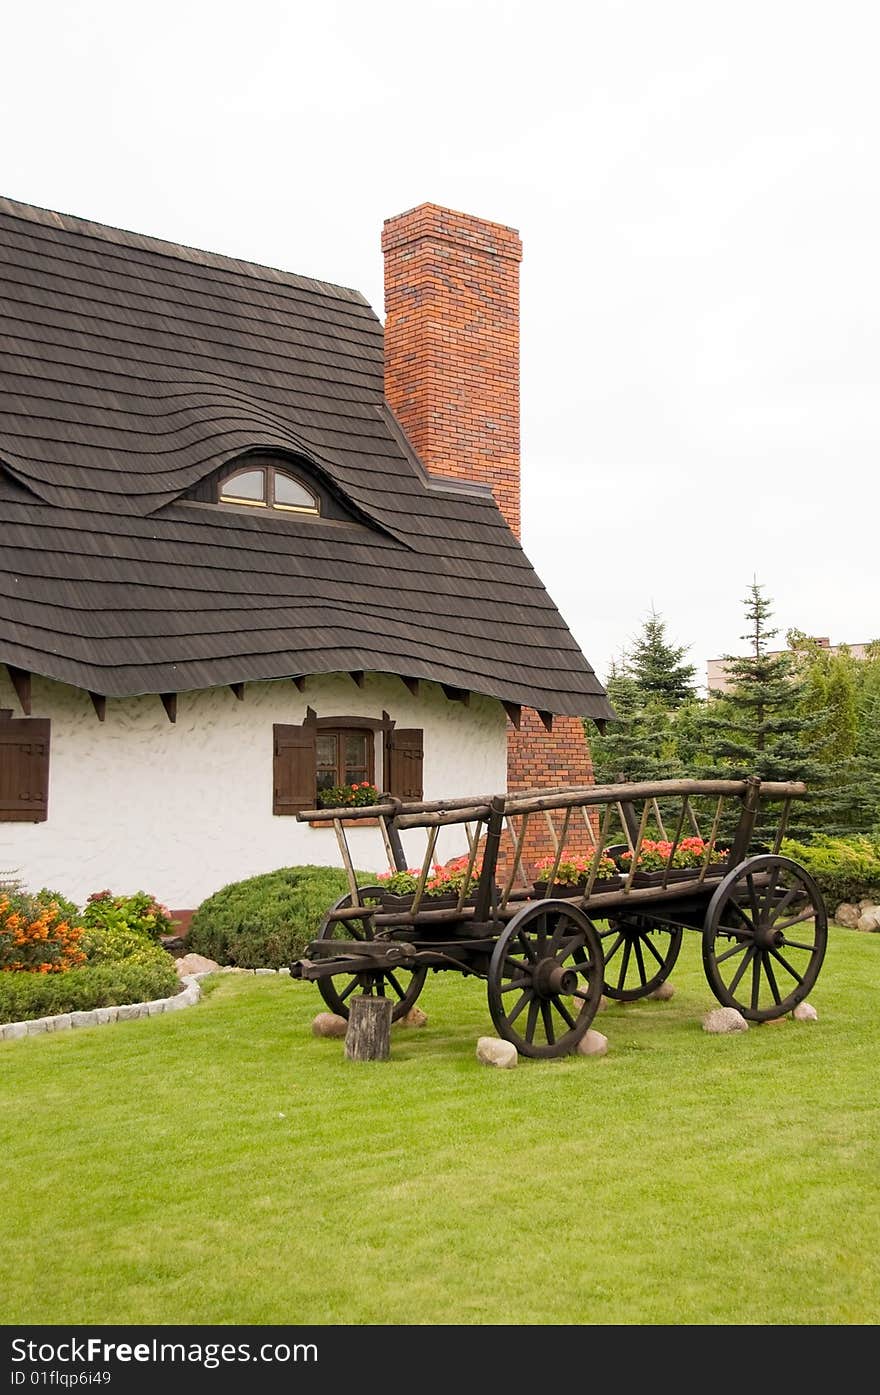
<point>548,954</point>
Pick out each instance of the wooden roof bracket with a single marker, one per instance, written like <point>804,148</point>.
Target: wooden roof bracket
<point>169,702</point>
<point>514,712</point>
<point>99,702</point>
<point>547,719</point>
<point>299,682</point>
<point>238,689</point>
<point>456,694</point>
<point>21,682</point>
<point>411,683</point>
<point>357,675</point>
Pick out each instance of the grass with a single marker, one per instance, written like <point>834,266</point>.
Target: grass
<point>223,1166</point>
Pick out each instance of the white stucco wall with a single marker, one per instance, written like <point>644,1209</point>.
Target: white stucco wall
<point>179,810</point>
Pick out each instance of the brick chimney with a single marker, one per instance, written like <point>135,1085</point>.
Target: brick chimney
<point>452,380</point>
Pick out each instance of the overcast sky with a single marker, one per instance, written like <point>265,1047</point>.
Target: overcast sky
<point>696,187</point>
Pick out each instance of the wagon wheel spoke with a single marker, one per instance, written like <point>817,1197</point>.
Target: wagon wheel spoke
<point>640,959</point>
<point>621,980</point>
<point>756,979</point>
<point>785,964</point>
<point>753,899</point>
<point>615,947</point>
<point>515,1012</point>
<point>566,947</point>
<point>563,1011</point>
<point>742,968</point>
<point>517,965</point>
<point>346,992</point>
<point>532,1020</point>
<point>735,949</point>
<point>648,943</point>
<point>528,948</point>
<point>798,920</point>
<point>514,983</point>
<point>771,979</point>
<point>394,984</point>
<point>547,1014</point>
<point>786,900</point>
<point>786,896</point>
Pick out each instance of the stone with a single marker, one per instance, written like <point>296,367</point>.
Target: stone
<point>178,1001</point>
<point>264,971</point>
<point>11,1030</point>
<point>869,920</point>
<point>328,1024</point>
<point>37,1025</point>
<point>60,1022</point>
<point>724,1019</point>
<point>805,1012</point>
<point>865,902</point>
<point>592,1044</point>
<point>847,914</point>
<point>195,964</point>
<point>84,1019</point>
<point>129,1011</point>
<point>492,1051</point>
<point>284,970</point>
<point>156,1006</point>
<point>106,1014</point>
<point>663,992</point>
<point>414,1018</point>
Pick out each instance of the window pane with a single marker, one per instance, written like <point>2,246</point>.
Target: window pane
<point>325,751</point>
<point>355,750</point>
<point>293,495</point>
<point>249,485</point>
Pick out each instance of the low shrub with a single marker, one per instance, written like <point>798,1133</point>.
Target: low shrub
<point>845,868</point>
<point>266,921</point>
<point>140,912</point>
<point>115,944</point>
<point>25,996</point>
<point>36,935</point>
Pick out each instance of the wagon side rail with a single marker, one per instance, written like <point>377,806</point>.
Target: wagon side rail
<point>603,813</point>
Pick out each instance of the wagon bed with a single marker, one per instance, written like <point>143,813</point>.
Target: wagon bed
<point>547,958</point>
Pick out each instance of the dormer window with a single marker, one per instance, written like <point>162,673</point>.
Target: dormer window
<point>267,487</point>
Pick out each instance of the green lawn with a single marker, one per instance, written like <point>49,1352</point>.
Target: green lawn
<point>222,1165</point>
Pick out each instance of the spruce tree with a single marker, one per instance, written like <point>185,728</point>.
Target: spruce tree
<point>656,665</point>
<point>756,727</point>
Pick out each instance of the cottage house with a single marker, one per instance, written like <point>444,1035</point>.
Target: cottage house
<point>252,547</point>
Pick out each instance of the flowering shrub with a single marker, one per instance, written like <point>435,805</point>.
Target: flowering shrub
<point>444,880</point>
<point>348,796</point>
<point>140,913</point>
<point>691,852</point>
<point>36,935</point>
<point>575,870</point>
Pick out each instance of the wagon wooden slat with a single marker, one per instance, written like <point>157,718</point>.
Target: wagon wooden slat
<point>546,957</point>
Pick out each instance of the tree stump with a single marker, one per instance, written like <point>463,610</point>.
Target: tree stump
<point>368,1036</point>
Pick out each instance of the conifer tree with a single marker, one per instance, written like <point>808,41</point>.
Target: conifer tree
<point>656,665</point>
<point>757,727</point>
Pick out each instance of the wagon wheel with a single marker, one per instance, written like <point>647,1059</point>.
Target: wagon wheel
<point>764,938</point>
<point>640,954</point>
<point>545,978</point>
<point>403,986</point>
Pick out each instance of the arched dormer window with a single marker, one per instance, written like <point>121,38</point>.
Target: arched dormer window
<point>268,487</point>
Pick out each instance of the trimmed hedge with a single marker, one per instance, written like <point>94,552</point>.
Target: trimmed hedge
<point>845,869</point>
<point>266,921</point>
<point>24,996</point>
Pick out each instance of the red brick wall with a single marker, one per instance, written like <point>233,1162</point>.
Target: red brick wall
<point>452,379</point>
<point>452,345</point>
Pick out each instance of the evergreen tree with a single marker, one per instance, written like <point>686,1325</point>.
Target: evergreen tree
<point>656,665</point>
<point>641,744</point>
<point>757,726</point>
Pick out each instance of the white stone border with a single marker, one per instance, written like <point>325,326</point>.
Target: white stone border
<point>188,996</point>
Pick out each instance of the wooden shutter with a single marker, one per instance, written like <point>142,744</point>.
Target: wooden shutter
<point>24,770</point>
<point>405,750</point>
<point>294,772</point>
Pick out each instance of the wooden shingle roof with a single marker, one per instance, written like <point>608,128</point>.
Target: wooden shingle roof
<point>130,369</point>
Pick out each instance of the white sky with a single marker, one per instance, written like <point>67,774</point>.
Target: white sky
<point>696,186</point>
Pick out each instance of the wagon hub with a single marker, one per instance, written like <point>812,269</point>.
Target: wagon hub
<point>768,938</point>
<point>550,978</point>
